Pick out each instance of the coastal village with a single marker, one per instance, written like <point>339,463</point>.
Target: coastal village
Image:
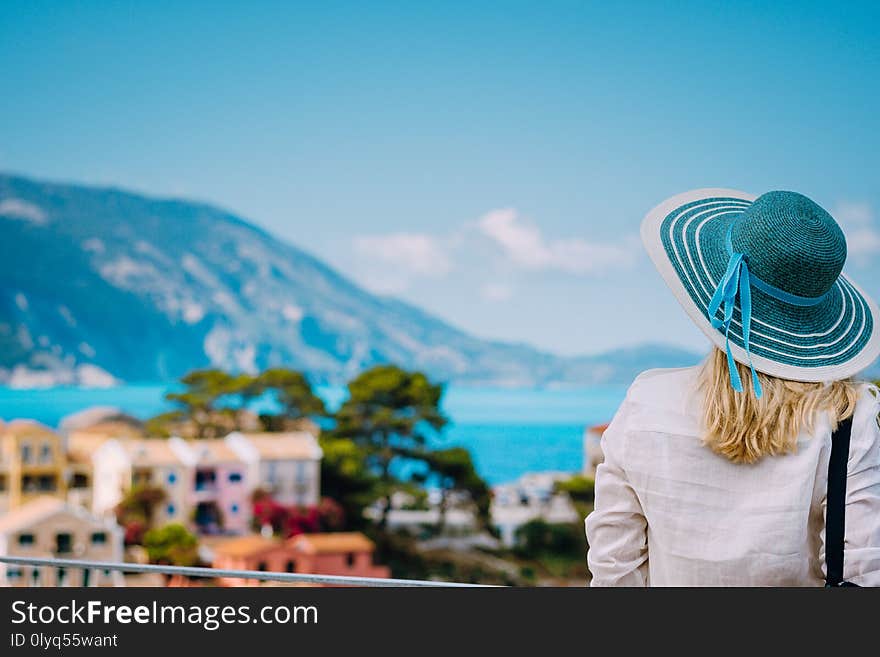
<point>102,488</point>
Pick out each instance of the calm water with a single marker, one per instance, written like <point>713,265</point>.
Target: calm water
<point>509,432</point>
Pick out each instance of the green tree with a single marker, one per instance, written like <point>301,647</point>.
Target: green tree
<point>389,412</point>
<point>136,511</point>
<point>579,487</point>
<point>538,537</point>
<point>454,471</point>
<point>173,545</point>
<point>198,401</point>
<point>346,478</point>
<point>141,501</point>
<point>162,425</point>
<point>294,395</point>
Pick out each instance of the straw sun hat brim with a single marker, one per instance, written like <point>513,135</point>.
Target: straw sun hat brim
<point>835,339</point>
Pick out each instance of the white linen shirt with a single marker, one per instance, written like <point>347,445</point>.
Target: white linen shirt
<point>670,512</point>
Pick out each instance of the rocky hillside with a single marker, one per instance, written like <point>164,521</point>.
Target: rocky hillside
<point>102,285</point>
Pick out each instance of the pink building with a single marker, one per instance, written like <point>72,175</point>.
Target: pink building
<point>218,490</point>
<point>339,553</point>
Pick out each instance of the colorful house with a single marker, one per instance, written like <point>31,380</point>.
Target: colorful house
<point>337,553</point>
<point>49,527</point>
<point>253,552</point>
<point>118,464</point>
<point>347,554</point>
<point>32,463</point>
<point>220,486</point>
<point>287,465</point>
<point>81,444</point>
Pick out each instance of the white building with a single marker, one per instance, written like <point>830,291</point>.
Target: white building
<point>119,464</point>
<point>530,497</point>
<point>287,465</point>
<point>593,455</point>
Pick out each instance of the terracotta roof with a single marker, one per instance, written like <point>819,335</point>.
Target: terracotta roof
<point>246,546</point>
<point>30,513</point>
<point>598,428</point>
<point>284,446</point>
<point>329,542</point>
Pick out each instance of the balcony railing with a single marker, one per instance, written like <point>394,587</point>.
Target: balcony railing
<point>265,576</point>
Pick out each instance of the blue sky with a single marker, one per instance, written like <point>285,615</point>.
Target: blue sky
<point>489,162</point>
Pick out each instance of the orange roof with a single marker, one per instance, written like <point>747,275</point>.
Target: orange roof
<point>246,546</point>
<point>598,428</point>
<point>329,542</point>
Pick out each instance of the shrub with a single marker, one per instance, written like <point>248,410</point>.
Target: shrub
<point>579,487</point>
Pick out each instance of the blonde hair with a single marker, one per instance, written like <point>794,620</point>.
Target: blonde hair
<point>744,429</point>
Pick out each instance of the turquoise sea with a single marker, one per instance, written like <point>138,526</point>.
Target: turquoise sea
<point>509,431</point>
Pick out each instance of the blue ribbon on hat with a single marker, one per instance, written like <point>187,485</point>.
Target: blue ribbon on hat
<point>738,281</point>
<point>735,282</point>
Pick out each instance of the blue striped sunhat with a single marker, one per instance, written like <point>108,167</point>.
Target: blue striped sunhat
<point>761,277</point>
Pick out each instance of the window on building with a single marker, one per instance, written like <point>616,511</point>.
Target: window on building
<point>26,453</point>
<point>290,567</point>
<point>262,566</point>
<point>234,477</point>
<point>2,483</point>
<point>99,538</point>
<point>45,453</point>
<point>141,477</point>
<point>172,478</point>
<point>79,480</point>
<point>87,577</point>
<point>170,509</point>
<point>63,543</point>
<point>205,479</point>
<point>13,573</point>
<point>349,559</point>
<point>25,539</point>
<point>234,508</point>
<point>46,483</point>
<point>61,579</point>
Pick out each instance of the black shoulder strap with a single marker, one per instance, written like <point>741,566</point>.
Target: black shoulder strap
<point>835,509</point>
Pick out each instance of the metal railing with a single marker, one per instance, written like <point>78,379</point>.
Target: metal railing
<point>260,575</point>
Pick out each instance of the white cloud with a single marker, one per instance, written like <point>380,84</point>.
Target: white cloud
<point>414,253</point>
<point>15,208</point>
<point>496,292</point>
<point>93,245</point>
<point>857,221</point>
<point>525,246</point>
